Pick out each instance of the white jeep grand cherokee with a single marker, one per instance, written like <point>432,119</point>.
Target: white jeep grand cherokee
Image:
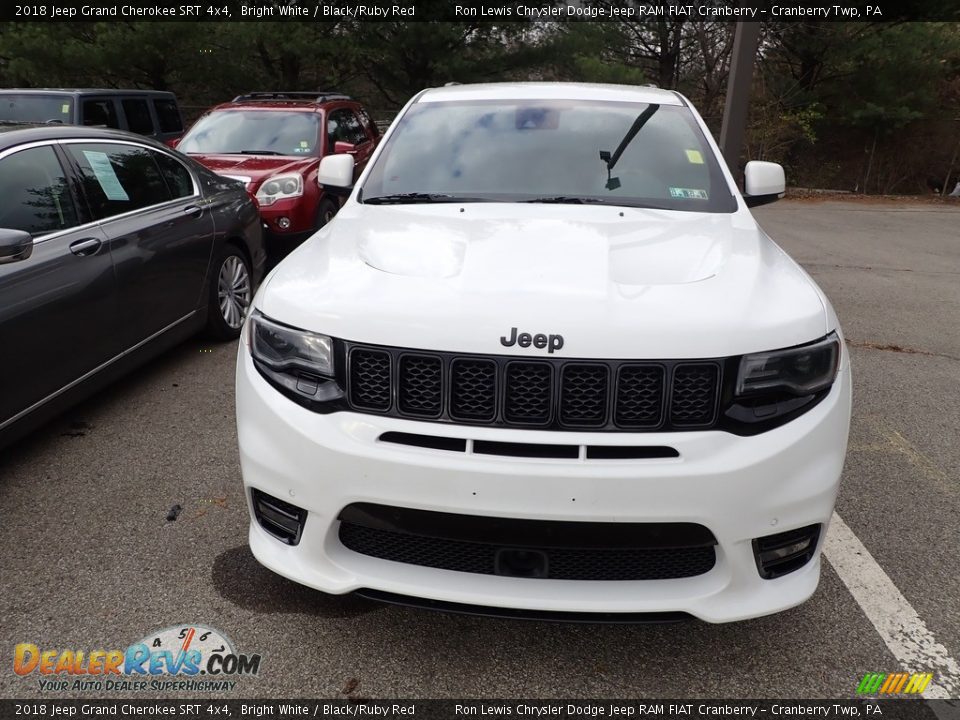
<point>544,363</point>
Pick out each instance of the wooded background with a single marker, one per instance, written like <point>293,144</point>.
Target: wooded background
<point>864,107</point>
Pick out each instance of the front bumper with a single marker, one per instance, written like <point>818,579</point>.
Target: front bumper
<point>740,488</point>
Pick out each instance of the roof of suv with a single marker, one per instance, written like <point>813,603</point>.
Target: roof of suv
<point>286,100</point>
<point>82,91</point>
<point>551,91</point>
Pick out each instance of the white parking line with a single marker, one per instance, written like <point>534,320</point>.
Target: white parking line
<point>906,635</point>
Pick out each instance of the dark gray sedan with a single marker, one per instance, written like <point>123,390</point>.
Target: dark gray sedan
<point>112,249</point>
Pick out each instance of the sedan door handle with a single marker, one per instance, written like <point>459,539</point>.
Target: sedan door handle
<point>87,246</point>
<point>193,211</point>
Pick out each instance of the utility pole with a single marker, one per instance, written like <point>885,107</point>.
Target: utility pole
<point>746,40</point>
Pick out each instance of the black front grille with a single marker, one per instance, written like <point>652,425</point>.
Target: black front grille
<point>583,394</point>
<point>565,550</point>
<point>639,396</point>
<point>421,385</point>
<point>529,392</point>
<point>370,379</point>
<point>473,392</point>
<point>694,394</point>
<point>544,393</point>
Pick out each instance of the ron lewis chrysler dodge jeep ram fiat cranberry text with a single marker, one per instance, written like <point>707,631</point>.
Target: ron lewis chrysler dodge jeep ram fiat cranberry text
<point>544,361</point>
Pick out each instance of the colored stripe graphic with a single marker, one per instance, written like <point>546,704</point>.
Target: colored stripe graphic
<point>894,683</point>
<point>871,683</point>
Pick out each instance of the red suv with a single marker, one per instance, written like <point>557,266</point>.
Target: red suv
<point>273,142</point>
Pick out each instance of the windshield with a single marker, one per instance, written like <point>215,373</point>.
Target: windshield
<point>35,108</point>
<point>254,132</point>
<point>629,154</point>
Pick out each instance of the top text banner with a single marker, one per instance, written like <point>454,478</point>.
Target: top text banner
<point>477,11</point>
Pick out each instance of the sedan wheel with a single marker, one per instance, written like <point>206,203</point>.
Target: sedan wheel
<point>234,291</point>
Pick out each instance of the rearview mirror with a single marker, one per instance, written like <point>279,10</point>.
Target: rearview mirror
<point>15,245</point>
<point>763,182</point>
<point>336,171</point>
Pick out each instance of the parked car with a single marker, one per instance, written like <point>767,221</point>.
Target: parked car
<point>113,247</point>
<point>151,113</point>
<point>545,362</point>
<point>273,142</point>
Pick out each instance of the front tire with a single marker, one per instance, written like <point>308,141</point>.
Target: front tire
<point>325,212</point>
<point>231,291</point>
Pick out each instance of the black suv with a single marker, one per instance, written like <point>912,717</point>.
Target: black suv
<point>146,112</point>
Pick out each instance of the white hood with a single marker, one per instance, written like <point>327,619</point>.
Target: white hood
<point>614,282</point>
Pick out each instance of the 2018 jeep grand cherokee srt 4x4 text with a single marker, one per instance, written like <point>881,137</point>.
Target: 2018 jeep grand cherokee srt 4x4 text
<point>544,361</point>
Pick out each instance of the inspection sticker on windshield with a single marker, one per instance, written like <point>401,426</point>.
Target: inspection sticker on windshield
<point>65,108</point>
<point>694,157</point>
<point>100,164</point>
<point>688,193</point>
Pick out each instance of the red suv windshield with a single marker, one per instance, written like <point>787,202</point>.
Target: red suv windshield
<point>254,132</point>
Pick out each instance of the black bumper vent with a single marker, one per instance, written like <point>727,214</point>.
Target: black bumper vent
<point>281,519</point>
<point>785,552</point>
<point>528,548</point>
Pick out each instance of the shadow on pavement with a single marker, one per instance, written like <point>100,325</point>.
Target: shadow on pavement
<point>240,579</point>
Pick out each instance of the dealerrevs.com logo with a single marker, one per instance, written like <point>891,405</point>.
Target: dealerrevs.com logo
<point>182,657</point>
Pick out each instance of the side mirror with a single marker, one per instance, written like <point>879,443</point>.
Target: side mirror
<point>15,245</point>
<point>173,143</point>
<point>336,171</point>
<point>341,147</point>
<point>763,182</point>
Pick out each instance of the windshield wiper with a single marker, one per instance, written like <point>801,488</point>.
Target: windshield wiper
<point>611,159</point>
<point>564,200</point>
<point>617,202</point>
<point>419,197</point>
<point>256,152</point>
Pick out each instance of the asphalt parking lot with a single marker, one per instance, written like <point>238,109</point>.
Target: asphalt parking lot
<point>90,560</point>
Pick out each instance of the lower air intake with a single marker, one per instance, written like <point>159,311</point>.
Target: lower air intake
<point>528,548</point>
<point>780,554</point>
<point>281,519</point>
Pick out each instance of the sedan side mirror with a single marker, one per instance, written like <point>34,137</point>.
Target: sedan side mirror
<point>336,171</point>
<point>763,182</point>
<point>15,245</point>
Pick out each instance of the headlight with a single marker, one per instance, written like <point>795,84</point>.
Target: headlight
<point>285,349</point>
<point>298,363</point>
<point>804,370</point>
<point>279,187</point>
